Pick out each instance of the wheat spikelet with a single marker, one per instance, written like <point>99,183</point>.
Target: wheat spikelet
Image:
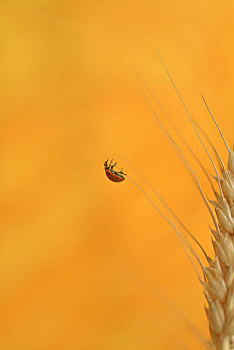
<point>219,275</point>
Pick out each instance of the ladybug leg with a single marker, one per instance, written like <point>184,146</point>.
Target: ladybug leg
<point>121,172</point>
<point>112,166</point>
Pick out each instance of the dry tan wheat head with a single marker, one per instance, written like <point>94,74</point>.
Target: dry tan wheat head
<point>219,275</point>
<point>218,281</point>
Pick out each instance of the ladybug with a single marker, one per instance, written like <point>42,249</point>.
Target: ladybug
<point>113,175</point>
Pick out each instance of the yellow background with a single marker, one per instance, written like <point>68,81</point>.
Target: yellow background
<point>87,264</point>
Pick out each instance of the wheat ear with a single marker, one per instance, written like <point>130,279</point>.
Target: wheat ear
<point>218,280</point>
<point>219,275</point>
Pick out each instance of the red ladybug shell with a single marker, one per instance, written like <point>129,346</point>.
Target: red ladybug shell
<point>114,176</point>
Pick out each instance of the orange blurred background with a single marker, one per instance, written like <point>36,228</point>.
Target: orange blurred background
<point>87,264</point>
